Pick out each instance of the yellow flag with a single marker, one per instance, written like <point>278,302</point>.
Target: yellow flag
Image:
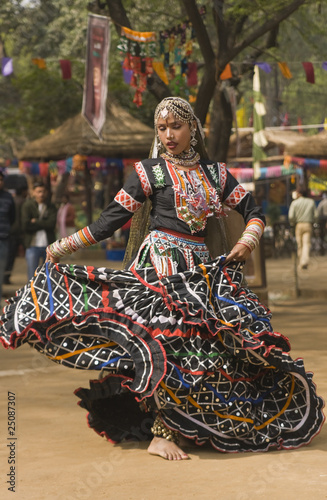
<point>285,70</point>
<point>160,70</point>
<point>39,62</point>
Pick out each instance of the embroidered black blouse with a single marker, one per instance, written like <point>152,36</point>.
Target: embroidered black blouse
<point>181,200</point>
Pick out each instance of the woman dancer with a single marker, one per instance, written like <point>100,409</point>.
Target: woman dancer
<point>175,333</point>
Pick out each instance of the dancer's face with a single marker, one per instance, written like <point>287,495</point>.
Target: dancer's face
<point>174,134</point>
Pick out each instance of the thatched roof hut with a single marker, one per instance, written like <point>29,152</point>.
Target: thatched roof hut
<point>123,136</point>
<point>295,144</point>
<point>286,141</point>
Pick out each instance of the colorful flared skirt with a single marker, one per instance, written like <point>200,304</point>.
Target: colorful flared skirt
<point>196,346</point>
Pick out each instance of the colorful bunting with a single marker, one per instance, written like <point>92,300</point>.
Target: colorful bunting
<point>247,174</point>
<point>307,163</point>
<point>75,163</point>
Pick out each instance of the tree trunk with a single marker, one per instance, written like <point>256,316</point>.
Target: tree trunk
<point>221,121</point>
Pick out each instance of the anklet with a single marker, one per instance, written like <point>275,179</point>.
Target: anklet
<point>160,430</point>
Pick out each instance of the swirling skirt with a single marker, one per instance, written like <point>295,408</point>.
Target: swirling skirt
<point>196,345</point>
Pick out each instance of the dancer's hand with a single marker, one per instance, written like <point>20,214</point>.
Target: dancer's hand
<point>51,259</point>
<point>238,253</point>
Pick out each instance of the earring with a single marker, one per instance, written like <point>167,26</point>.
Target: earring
<point>193,141</point>
<point>159,143</point>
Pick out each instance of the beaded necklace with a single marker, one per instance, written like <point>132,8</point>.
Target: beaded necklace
<point>185,159</point>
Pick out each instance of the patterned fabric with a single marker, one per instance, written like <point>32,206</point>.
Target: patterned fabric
<point>165,252</point>
<point>127,201</point>
<point>236,196</point>
<point>141,172</point>
<point>196,345</point>
<point>195,197</point>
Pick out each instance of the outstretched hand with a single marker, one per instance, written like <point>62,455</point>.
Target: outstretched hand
<point>238,253</point>
<point>51,259</point>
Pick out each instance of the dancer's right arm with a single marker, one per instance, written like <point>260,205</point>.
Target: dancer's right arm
<point>127,201</point>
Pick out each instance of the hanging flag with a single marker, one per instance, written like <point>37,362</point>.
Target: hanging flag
<point>39,62</point>
<point>309,71</point>
<point>96,72</point>
<point>264,66</point>
<point>139,49</point>
<point>299,124</point>
<point>241,115</point>
<point>324,65</point>
<point>259,138</point>
<point>285,121</point>
<point>6,66</point>
<point>227,73</point>
<point>66,69</point>
<point>285,70</point>
<point>192,74</point>
<point>159,68</point>
<point>127,75</point>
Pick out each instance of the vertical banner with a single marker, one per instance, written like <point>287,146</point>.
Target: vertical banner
<point>96,72</point>
<point>259,138</point>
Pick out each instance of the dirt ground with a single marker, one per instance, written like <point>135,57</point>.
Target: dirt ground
<point>58,457</point>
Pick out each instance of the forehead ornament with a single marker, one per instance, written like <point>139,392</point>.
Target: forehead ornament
<point>164,113</point>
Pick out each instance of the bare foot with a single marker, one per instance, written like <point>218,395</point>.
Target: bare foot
<point>166,449</point>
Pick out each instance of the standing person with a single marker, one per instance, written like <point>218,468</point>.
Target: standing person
<point>66,218</point>
<point>39,224</point>
<point>7,217</point>
<point>175,333</point>
<point>322,219</point>
<point>16,233</point>
<point>302,213</point>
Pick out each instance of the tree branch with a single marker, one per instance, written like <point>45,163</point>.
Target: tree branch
<point>269,25</point>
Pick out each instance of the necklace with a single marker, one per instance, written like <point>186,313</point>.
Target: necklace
<point>185,159</point>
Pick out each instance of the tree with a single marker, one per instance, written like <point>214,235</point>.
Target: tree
<point>33,100</point>
<point>237,26</point>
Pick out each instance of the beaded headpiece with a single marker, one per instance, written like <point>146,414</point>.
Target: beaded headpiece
<point>177,106</point>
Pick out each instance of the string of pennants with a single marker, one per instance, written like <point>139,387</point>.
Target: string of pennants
<point>168,53</point>
<point>247,174</point>
<point>76,163</point>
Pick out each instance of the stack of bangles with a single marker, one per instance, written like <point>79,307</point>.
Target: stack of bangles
<point>252,234</point>
<point>62,247</point>
<point>83,238</point>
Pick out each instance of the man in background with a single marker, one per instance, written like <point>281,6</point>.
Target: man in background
<point>39,226</point>
<point>322,219</point>
<point>16,242</point>
<point>7,217</point>
<point>302,214</point>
